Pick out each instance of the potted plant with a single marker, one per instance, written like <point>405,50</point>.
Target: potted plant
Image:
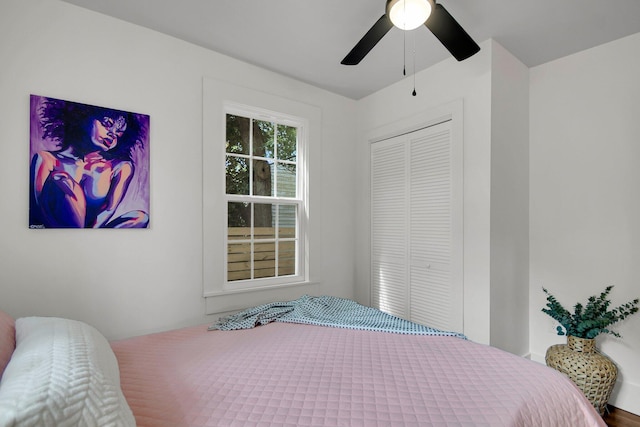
<point>594,373</point>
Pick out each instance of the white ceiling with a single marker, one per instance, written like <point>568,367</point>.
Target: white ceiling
<point>307,39</point>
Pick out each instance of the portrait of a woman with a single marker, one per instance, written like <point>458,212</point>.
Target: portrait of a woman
<point>89,166</point>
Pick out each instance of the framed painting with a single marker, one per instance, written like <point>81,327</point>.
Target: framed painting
<point>89,166</point>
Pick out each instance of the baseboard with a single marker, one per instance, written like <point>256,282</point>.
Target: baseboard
<point>625,397</point>
<point>537,358</point>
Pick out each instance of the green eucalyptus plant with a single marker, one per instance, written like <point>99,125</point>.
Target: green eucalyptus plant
<point>590,320</point>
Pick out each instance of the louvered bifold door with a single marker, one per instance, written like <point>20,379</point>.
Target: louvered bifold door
<point>389,222</point>
<point>431,291</point>
<point>416,227</point>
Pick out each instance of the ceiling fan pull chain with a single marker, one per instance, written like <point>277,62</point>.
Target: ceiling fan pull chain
<point>404,53</point>
<point>414,66</point>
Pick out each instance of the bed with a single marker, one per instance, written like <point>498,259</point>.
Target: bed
<point>272,369</point>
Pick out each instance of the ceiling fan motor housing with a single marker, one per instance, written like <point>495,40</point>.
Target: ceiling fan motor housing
<point>409,14</point>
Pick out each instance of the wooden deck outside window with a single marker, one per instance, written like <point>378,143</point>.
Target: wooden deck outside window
<point>264,248</point>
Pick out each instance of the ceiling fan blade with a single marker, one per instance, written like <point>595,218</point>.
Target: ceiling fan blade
<point>451,34</point>
<point>368,41</point>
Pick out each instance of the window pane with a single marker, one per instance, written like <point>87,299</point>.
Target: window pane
<point>239,261</point>
<point>262,178</point>
<point>287,221</point>
<point>286,180</point>
<point>286,258</point>
<point>263,139</point>
<point>237,171</point>
<point>287,143</point>
<point>263,220</point>
<point>239,221</point>
<point>237,134</point>
<point>264,259</point>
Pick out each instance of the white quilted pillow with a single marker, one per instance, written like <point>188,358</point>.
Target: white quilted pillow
<point>62,373</point>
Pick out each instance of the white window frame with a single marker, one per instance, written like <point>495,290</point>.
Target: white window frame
<point>219,98</point>
<point>300,199</point>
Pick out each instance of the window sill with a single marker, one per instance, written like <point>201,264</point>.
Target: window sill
<point>238,299</point>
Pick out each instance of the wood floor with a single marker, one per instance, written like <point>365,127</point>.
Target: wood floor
<point>619,418</point>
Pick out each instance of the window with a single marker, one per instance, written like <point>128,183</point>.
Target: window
<point>264,205</point>
<point>261,189</point>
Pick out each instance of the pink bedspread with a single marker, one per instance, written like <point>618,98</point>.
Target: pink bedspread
<point>299,375</point>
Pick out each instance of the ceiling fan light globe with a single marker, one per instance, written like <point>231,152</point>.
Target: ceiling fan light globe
<point>409,14</point>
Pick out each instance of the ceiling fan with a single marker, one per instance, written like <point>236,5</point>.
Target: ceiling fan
<point>410,14</point>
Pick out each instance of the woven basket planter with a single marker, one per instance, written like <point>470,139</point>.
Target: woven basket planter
<point>593,373</point>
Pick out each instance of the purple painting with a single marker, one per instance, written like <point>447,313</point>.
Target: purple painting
<point>89,166</point>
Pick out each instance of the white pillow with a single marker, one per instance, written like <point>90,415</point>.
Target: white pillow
<point>62,373</point>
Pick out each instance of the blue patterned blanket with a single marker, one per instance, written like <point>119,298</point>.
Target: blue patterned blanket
<point>325,311</point>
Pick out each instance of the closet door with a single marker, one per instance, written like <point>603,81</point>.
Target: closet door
<point>389,222</point>
<point>434,299</point>
<point>416,232</point>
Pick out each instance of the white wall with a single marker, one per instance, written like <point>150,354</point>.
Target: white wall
<point>509,202</point>
<point>469,81</point>
<point>585,202</point>
<point>493,86</point>
<point>128,282</point>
